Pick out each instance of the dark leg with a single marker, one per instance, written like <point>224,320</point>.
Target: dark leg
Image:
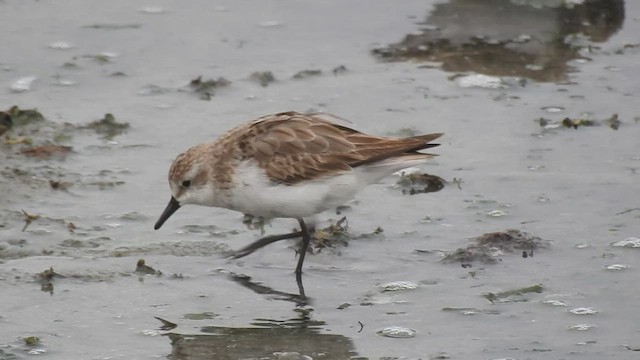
<point>306,238</point>
<point>263,242</point>
<point>303,297</point>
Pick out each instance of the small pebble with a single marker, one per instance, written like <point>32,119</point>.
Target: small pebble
<point>61,45</point>
<point>36,351</point>
<point>23,84</point>
<point>584,311</point>
<point>398,285</point>
<point>553,109</point>
<point>554,302</point>
<point>480,81</point>
<point>615,267</point>
<point>497,213</point>
<point>397,332</point>
<point>630,242</point>
<point>581,327</point>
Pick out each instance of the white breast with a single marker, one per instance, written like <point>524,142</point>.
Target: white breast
<point>253,193</point>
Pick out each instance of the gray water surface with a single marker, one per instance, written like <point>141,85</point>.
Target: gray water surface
<point>576,187</point>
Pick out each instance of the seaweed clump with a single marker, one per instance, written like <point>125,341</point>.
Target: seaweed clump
<point>488,248</point>
<point>418,183</point>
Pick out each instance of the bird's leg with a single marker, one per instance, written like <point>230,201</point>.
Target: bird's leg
<point>306,238</point>
<point>264,242</point>
<point>303,297</point>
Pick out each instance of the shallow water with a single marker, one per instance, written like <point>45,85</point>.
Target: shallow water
<point>575,187</point>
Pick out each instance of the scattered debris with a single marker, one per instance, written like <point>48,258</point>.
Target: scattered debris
<point>573,123</point>
<point>552,109</point>
<point>61,45</point>
<point>205,89</point>
<point>614,122</point>
<point>332,235</point>
<point>489,247</point>
<point>303,74</point>
<point>339,70</point>
<point>45,278</point>
<point>630,242</point>
<point>102,58</point>
<point>582,327</point>
<point>264,78</point>
<point>481,81</point>
<point>416,183</point>
<point>503,295</point>
<point>583,311</point>
<point>142,268</point>
<point>470,311</point>
<point>24,140</point>
<point>22,117</point>
<point>107,126</point>
<point>47,275</point>
<point>398,285</point>
<point>45,152</point>
<point>31,341</point>
<point>397,332</point>
<point>5,122</point>
<point>23,84</point>
<point>255,222</point>
<point>59,185</point>
<point>28,219</point>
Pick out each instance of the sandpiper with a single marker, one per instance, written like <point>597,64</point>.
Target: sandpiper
<point>287,165</point>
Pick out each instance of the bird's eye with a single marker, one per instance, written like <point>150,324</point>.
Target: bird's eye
<point>186,183</point>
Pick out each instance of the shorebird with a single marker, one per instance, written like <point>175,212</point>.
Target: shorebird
<point>287,165</point>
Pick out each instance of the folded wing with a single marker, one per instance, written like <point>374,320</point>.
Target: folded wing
<point>295,147</point>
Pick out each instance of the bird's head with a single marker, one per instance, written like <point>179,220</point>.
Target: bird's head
<point>189,182</point>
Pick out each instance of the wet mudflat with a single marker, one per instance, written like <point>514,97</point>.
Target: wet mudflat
<point>521,242</point>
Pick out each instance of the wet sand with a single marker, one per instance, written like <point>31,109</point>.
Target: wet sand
<point>390,68</point>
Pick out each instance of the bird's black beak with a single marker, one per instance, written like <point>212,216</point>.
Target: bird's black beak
<point>172,207</point>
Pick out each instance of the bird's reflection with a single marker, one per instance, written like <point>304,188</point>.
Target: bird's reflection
<point>300,299</point>
<point>260,343</point>
<point>535,39</point>
<point>267,338</point>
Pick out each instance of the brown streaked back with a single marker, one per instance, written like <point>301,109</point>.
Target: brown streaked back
<point>294,147</point>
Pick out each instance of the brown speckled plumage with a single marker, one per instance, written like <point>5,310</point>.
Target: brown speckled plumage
<point>287,165</point>
<point>294,147</point>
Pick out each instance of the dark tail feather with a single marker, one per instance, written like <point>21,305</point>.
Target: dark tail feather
<point>422,143</point>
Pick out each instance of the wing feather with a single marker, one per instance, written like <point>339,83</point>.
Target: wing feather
<point>293,147</point>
